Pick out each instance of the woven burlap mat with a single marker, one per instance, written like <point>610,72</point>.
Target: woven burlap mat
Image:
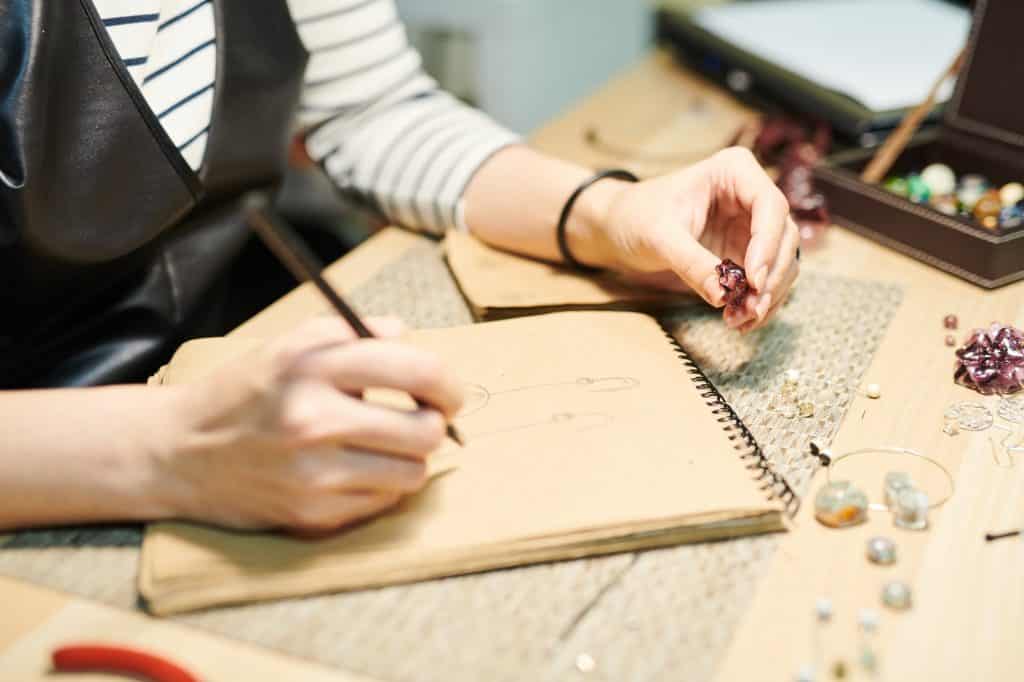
<point>660,615</point>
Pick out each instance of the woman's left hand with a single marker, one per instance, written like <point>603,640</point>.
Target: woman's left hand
<point>671,232</point>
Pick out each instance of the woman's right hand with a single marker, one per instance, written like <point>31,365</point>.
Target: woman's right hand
<point>282,438</point>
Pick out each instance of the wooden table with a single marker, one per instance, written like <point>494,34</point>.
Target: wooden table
<point>969,595</point>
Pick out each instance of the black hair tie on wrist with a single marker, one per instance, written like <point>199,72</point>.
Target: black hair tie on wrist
<point>563,218</point>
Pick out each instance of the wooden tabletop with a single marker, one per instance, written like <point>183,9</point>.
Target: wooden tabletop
<point>969,595</point>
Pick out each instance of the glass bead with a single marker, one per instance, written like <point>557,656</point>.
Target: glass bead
<point>840,504</point>
<point>868,660</point>
<point>939,178</point>
<point>970,416</point>
<point>896,185</point>
<point>987,209</point>
<point>950,428</point>
<point>806,409</point>
<point>945,203</point>
<point>1011,216</point>
<point>968,197</point>
<point>839,670</point>
<point>881,551</point>
<point>974,181</point>
<point>917,190</point>
<point>911,510</point>
<point>1011,193</point>
<point>950,322</point>
<point>896,595</point>
<point>805,674</point>
<point>874,391</point>
<point>950,340</point>
<point>895,481</point>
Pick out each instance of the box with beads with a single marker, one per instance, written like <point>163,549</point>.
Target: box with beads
<point>952,199</point>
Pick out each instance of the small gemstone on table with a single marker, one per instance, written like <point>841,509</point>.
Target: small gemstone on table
<point>881,551</point>
<point>950,340</point>
<point>939,178</point>
<point>968,197</point>
<point>950,322</point>
<point>840,504</point>
<point>874,391</point>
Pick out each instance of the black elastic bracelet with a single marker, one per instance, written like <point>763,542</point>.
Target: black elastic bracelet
<point>563,219</point>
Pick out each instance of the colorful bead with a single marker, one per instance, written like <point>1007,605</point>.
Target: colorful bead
<point>987,209</point>
<point>1011,216</point>
<point>968,196</point>
<point>896,185</point>
<point>974,181</point>
<point>1011,193</point>
<point>950,322</point>
<point>917,190</point>
<point>840,504</point>
<point>945,203</point>
<point>939,178</point>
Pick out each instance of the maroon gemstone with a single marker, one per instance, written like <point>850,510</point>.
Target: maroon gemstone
<point>950,322</point>
<point>733,279</point>
<point>992,360</point>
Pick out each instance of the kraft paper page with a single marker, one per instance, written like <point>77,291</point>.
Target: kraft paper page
<point>585,435</point>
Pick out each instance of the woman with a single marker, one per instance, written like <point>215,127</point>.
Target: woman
<point>130,131</point>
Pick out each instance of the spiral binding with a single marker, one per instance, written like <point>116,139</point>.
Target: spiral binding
<point>772,483</point>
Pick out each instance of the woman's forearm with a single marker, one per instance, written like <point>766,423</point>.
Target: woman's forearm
<point>514,201</point>
<point>84,455</point>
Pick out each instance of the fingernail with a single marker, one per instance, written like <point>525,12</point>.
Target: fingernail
<point>714,290</point>
<point>761,277</point>
<point>763,305</point>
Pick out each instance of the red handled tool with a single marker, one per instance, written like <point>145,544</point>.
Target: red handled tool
<point>81,658</point>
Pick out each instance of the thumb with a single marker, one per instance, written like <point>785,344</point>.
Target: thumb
<point>695,265</point>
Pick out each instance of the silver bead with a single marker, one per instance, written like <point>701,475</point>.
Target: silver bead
<point>881,551</point>
<point>896,595</point>
<point>911,509</point>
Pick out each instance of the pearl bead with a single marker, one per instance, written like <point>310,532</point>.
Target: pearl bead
<point>896,595</point>
<point>585,663</point>
<point>881,551</point>
<point>868,619</point>
<point>1011,193</point>
<point>939,178</point>
<point>823,609</point>
<point>874,391</point>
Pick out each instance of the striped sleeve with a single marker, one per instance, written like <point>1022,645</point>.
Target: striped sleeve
<point>381,128</point>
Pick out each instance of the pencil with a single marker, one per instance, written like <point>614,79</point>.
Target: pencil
<point>289,248</point>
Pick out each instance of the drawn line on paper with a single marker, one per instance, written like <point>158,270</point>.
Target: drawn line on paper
<point>479,396</point>
<point>580,421</point>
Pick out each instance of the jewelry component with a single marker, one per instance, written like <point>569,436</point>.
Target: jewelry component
<point>896,595</point>
<point>881,551</point>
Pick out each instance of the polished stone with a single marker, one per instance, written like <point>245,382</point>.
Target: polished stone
<point>939,178</point>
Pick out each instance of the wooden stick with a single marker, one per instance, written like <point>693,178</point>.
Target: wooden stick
<point>894,145</point>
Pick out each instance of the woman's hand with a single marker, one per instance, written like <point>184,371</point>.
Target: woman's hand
<point>282,438</point>
<point>671,232</point>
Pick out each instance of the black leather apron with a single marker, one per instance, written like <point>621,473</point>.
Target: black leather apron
<point>110,245</point>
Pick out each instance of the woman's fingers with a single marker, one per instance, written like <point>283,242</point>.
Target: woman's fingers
<point>386,364</point>
<point>745,179</point>
<point>785,288</point>
<point>315,413</point>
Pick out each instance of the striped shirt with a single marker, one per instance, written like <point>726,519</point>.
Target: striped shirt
<point>385,132</point>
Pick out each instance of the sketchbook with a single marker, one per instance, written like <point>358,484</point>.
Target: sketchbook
<point>498,284</point>
<point>587,433</point>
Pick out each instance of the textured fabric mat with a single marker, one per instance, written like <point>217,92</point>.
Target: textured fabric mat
<point>660,615</point>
